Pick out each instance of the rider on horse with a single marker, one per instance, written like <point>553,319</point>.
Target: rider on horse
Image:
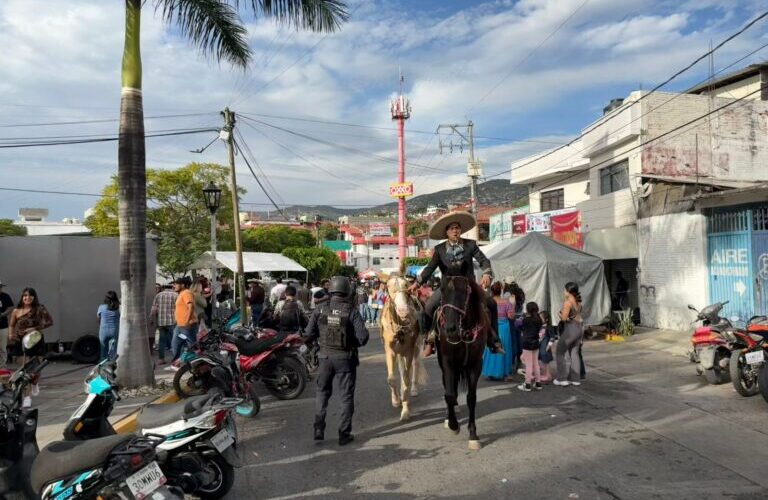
<point>454,258</point>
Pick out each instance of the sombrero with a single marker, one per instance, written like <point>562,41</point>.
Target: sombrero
<point>465,219</point>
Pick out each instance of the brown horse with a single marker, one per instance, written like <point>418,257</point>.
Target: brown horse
<point>400,331</point>
<point>462,324</point>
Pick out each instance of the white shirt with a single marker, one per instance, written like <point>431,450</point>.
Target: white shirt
<point>276,292</point>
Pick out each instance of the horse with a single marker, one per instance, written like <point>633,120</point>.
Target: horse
<point>401,333</point>
<point>462,323</point>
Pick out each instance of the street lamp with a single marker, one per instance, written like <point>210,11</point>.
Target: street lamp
<point>212,195</point>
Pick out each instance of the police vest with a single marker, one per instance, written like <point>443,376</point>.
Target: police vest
<point>333,324</point>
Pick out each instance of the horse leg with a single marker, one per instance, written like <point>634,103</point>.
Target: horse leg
<point>451,385</point>
<point>405,377</point>
<point>416,368</point>
<point>391,376</point>
<point>474,376</point>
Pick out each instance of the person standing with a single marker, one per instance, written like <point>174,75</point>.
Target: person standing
<point>6,309</point>
<point>362,302</point>
<point>304,295</point>
<point>340,331</point>
<point>256,296</point>
<point>570,338</point>
<point>499,366</point>
<point>277,291</point>
<point>184,314</point>
<point>197,293</point>
<point>108,314</point>
<point>289,312</point>
<point>532,332</point>
<point>27,322</point>
<point>162,313</point>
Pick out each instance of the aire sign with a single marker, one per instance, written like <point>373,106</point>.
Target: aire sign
<point>401,189</point>
<point>729,262</point>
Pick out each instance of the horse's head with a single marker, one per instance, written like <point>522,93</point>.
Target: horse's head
<point>397,288</point>
<point>455,293</point>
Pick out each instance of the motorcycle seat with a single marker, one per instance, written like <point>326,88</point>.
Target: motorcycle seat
<point>62,459</point>
<point>257,345</point>
<point>152,416</point>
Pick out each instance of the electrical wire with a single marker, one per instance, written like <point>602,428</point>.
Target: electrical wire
<point>242,154</point>
<point>258,166</point>
<point>105,139</point>
<point>101,120</point>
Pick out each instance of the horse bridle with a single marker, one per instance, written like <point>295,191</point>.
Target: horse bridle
<point>474,333</point>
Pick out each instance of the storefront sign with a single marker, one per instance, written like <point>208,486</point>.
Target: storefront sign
<point>401,190</point>
<point>379,229</point>
<point>566,229</point>
<point>539,222</point>
<point>519,224</point>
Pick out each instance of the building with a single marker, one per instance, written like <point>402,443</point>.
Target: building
<point>380,253</point>
<point>670,190</point>
<point>35,220</point>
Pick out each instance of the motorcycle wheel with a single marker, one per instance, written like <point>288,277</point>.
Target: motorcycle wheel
<point>716,375</point>
<point>225,479</point>
<point>252,405</point>
<point>762,382</point>
<point>744,384</point>
<point>186,383</point>
<point>289,378</point>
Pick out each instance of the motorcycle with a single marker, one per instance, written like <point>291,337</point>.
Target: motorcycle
<point>199,435</point>
<point>714,342</point>
<point>271,357</point>
<point>746,363</point>
<point>18,429</point>
<point>120,467</point>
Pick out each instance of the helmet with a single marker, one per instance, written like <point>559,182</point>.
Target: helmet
<point>31,339</point>
<point>340,285</point>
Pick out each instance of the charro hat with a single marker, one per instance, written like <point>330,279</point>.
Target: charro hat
<point>465,219</point>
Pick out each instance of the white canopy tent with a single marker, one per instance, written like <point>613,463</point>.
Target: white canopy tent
<point>253,262</point>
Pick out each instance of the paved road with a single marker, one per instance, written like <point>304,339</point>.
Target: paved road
<point>642,426</point>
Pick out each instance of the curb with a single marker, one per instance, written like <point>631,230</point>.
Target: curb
<point>127,424</point>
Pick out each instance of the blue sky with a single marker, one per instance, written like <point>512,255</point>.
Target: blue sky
<point>65,61</point>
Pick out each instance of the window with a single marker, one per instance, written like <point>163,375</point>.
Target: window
<point>377,246</point>
<point>552,200</point>
<point>614,178</point>
<point>376,261</point>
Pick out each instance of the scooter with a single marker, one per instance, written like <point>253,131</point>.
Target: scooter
<point>18,429</point>
<point>746,363</point>
<point>713,343</point>
<point>198,451</point>
<point>120,467</point>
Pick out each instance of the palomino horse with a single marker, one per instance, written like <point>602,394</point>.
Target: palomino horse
<point>401,333</point>
<point>462,324</point>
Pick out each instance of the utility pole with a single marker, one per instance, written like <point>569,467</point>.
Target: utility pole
<point>228,134</point>
<point>474,167</point>
<point>400,108</point>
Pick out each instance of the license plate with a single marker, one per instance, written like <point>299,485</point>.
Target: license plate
<point>754,357</point>
<point>222,440</point>
<point>707,357</point>
<point>145,481</point>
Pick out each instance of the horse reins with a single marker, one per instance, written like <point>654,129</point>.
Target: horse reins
<point>474,333</point>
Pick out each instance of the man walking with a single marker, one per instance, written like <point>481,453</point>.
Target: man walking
<point>339,329</point>
<point>186,319</point>
<point>256,296</point>
<point>6,308</point>
<point>162,314</point>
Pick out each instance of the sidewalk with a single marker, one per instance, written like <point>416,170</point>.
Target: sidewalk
<point>674,342</point>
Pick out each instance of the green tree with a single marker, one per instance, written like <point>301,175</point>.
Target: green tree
<point>416,227</point>
<point>176,213</point>
<point>216,28</point>
<point>320,262</point>
<point>274,239</point>
<point>328,232</point>
<point>8,228</point>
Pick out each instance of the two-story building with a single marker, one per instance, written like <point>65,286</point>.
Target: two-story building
<point>671,192</point>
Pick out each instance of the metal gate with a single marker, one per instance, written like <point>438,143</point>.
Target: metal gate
<point>760,257</point>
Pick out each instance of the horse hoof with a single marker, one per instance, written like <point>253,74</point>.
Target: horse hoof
<point>404,417</point>
<point>446,424</point>
<point>414,392</point>
<point>456,431</point>
<point>474,444</point>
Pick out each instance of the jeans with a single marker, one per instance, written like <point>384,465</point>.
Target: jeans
<point>177,343</point>
<point>363,309</point>
<point>108,340</point>
<point>256,310</point>
<point>166,334</point>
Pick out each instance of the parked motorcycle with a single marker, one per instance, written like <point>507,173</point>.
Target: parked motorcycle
<point>713,343</point>
<point>18,428</point>
<point>269,356</point>
<point>199,435</point>
<point>119,467</point>
<point>746,363</point>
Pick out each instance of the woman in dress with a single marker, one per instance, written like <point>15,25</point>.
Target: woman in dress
<point>28,321</point>
<point>498,366</point>
<point>570,338</point>
<point>109,325</point>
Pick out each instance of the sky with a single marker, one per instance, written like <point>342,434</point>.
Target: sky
<point>314,108</point>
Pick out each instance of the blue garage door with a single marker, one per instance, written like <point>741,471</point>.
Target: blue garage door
<point>760,257</point>
<point>729,250</point>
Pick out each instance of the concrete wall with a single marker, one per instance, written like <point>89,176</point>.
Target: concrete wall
<point>673,269</point>
<point>739,138</point>
<point>574,185</point>
<point>742,88</point>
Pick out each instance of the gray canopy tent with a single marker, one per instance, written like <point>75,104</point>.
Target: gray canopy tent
<point>542,267</point>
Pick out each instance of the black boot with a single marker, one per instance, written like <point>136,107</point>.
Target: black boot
<point>319,434</point>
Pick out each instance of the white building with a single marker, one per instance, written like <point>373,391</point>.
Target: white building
<point>36,223</point>
<point>661,181</point>
<point>380,253</point>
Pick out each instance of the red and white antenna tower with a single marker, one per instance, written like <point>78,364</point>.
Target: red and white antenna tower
<point>400,108</point>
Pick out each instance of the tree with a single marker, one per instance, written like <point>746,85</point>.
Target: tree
<point>320,262</point>
<point>216,28</point>
<point>274,239</point>
<point>176,213</point>
<point>328,232</point>
<point>8,228</point>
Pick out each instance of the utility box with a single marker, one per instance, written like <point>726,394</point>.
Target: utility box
<point>71,275</point>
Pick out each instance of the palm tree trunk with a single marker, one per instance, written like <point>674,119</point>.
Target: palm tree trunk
<point>134,367</point>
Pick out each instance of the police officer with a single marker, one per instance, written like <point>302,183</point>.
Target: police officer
<point>339,329</point>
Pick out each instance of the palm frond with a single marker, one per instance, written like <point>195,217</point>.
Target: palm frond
<point>213,25</point>
<point>313,15</point>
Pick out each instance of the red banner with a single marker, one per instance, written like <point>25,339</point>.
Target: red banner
<point>518,224</point>
<point>566,229</point>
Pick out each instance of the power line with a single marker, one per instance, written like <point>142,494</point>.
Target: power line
<point>105,139</point>
<point>102,120</point>
<point>237,145</point>
<point>258,166</point>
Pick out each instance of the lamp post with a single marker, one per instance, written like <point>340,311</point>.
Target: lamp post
<point>212,195</point>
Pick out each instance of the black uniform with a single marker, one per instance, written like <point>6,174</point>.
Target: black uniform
<point>339,330</point>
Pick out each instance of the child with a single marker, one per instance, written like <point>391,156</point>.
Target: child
<point>545,349</point>
<point>532,330</point>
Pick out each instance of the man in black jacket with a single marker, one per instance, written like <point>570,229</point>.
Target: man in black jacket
<point>339,329</point>
<point>454,257</point>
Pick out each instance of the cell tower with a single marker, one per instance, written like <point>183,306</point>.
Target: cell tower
<point>400,108</point>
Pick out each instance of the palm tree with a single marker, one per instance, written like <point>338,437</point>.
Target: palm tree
<point>216,28</point>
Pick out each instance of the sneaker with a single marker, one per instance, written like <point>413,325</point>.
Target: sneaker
<point>35,389</point>
<point>561,383</point>
<point>538,386</point>
<point>524,387</point>
<point>575,383</point>
<point>27,402</point>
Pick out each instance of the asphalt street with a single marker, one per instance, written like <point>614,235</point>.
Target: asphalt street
<point>643,425</point>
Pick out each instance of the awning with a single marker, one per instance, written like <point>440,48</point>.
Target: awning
<point>253,262</point>
<point>613,243</point>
